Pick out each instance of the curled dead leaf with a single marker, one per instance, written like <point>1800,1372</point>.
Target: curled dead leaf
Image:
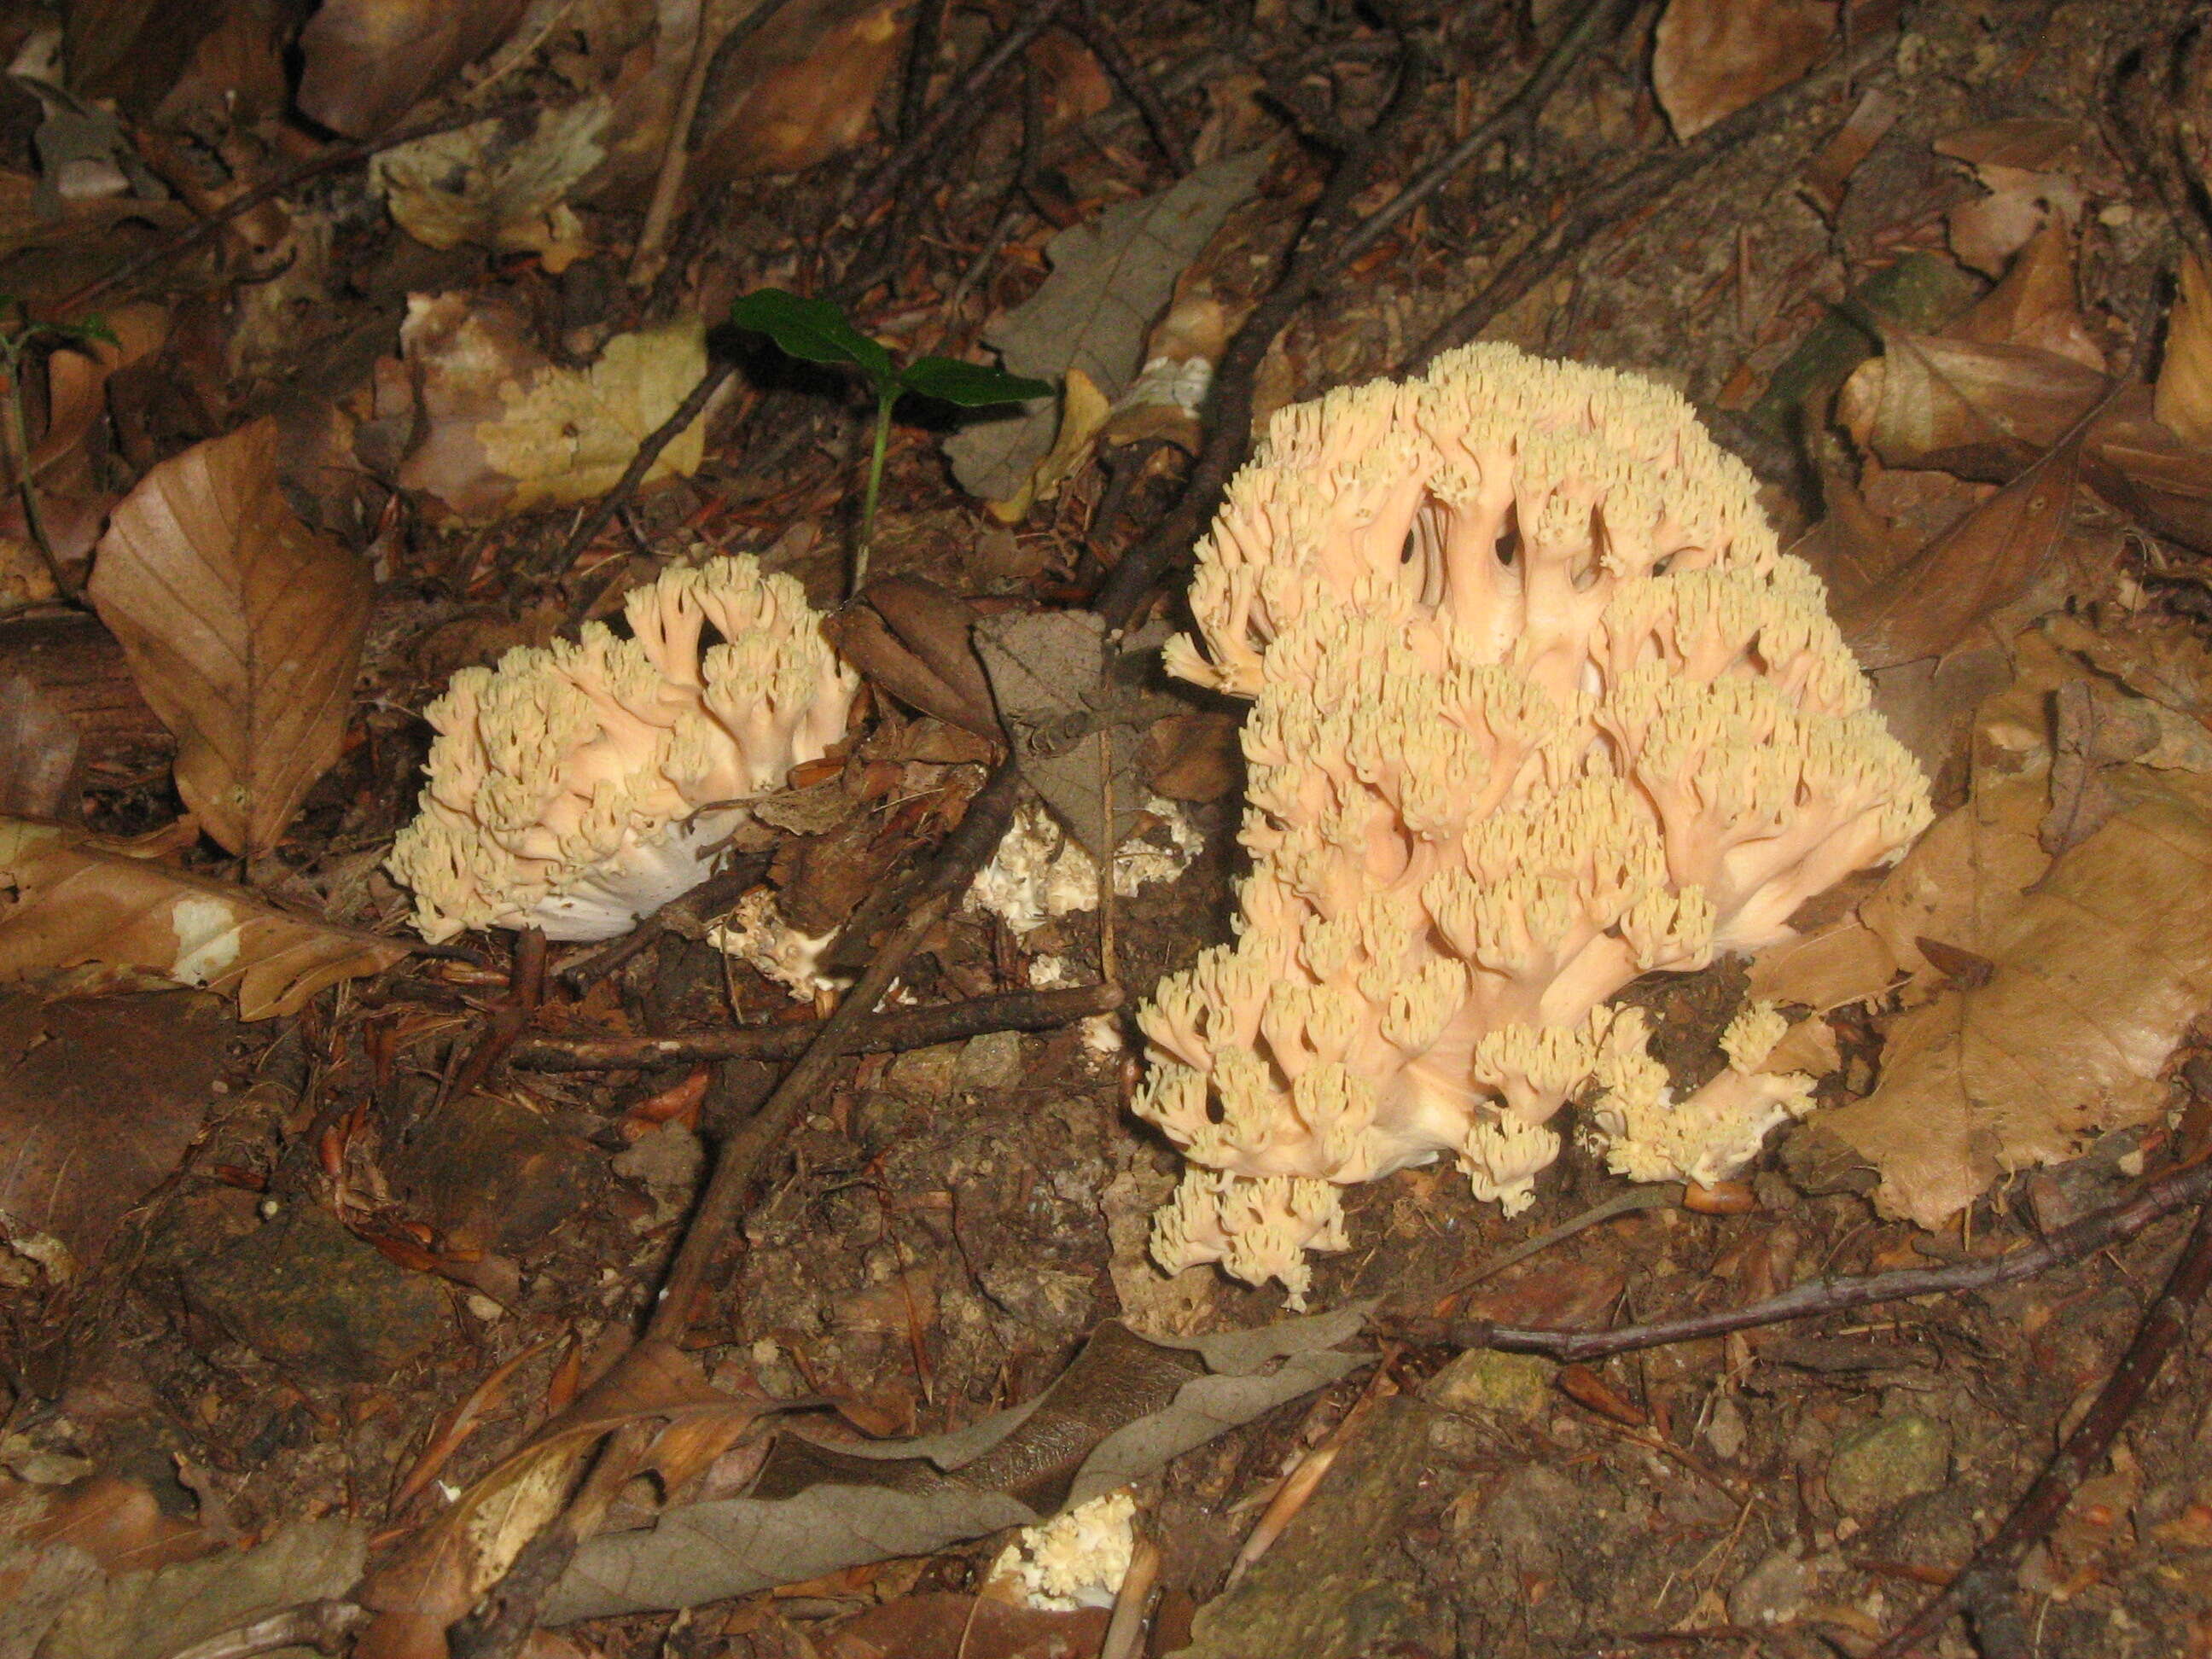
<point>80,899</point>
<point>1711,57</point>
<point>366,63</point>
<point>504,430</point>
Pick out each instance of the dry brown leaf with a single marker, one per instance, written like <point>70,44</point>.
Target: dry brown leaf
<point>505,431</point>
<point>366,63</point>
<point>1711,57</point>
<point>1982,411</point>
<point>2182,402</point>
<point>1989,560</point>
<point>2049,991</point>
<point>802,91</point>
<point>1961,877</point>
<point>2097,975</point>
<point>2162,657</point>
<point>2027,167</point>
<point>2141,466</point>
<point>500,184</point>
<point>80,899</point>
<point>243,628</point>
<point>436,1575</point>
<point>77,380</point>
<point>2034,305</point>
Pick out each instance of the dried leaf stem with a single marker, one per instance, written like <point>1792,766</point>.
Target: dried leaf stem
<point>2160,1198</point>
<point>889,1032</point>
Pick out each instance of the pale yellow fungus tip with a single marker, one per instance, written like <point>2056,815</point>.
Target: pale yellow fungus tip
<point>582,784</point>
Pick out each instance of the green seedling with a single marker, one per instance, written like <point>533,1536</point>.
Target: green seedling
<point>19,332</point>
<point>817,332</point>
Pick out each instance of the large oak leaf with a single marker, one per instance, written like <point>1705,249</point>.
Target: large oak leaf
<point>243,628</point>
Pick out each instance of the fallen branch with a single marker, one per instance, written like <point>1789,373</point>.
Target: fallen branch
<point>890,1032</point>
<point>1986,1587</point>
<point>1228,407</point>
<point>2160,1198</point>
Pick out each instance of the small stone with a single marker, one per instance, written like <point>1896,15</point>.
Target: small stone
<point>483,1307</point>
<point>1773,1592</point>
<point>1887,1460</point>
<point>925,1073</point>
<point>1511,1385</point>
<point>1724,1427</point>
<point>305,1293</point>
<point>992,1060</point>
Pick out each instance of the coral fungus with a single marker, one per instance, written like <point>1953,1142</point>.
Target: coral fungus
<point>1539,708</point>
<point>580,786</point>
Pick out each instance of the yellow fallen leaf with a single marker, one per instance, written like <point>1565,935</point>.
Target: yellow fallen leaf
<point>2095,977</point>
<point>73,899</point>
<point>505,431</point>
<point>1083,411</point>
<point>2183,400</point>
<point>501,189</point>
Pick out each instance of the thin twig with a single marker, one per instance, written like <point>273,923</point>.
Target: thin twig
<point>961,102</point>
<point>892,1032</point>
<point>648,452</point>
<point>1229,413</point>
<point>1101,43</point>
<point>1986,1585</point>
<point>1815,1297</point>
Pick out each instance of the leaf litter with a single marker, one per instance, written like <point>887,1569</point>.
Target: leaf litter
<point>331,443</point>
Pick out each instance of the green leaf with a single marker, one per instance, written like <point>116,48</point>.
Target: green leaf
<point>971,385</point>
<point>814,330</point>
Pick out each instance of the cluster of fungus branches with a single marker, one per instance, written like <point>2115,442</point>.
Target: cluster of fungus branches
<point>1538,708</point>
<point>579,786</point>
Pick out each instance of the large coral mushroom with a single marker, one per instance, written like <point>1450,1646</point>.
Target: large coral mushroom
<point>579,787</point>
<point>1539,708</point>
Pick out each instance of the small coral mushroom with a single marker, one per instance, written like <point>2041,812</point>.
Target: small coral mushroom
<point>1539,708</point>
<point>579,787</point>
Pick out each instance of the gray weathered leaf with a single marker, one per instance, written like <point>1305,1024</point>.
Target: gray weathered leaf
<point>1046,672</point>
<point>711,1551</point>
<point>1109,279</point>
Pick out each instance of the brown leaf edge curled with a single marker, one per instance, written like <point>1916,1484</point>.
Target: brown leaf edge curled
<point>243,626</point>
<point>79,899</point>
